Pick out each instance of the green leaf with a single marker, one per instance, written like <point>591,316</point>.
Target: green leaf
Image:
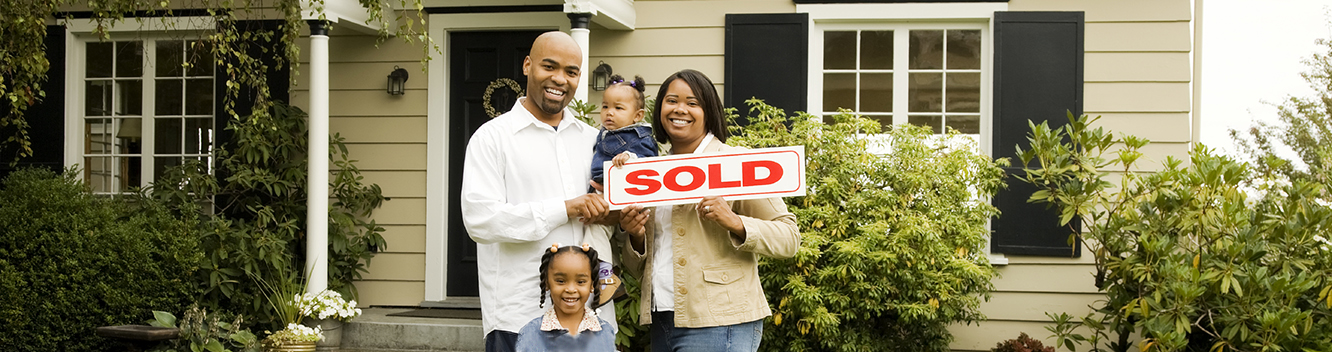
<point>163,319</point>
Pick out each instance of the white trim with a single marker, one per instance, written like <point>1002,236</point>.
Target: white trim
<point>437,142</point>
<point>909,16</point>
<point>141,24</point>
<point>898,12</point>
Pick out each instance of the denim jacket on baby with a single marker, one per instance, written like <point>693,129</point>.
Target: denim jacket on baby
<point>635,139</point>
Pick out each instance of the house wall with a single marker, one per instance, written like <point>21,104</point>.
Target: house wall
<point>387,135</point>
<point>1138,74</point>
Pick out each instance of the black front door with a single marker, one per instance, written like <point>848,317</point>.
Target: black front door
<point>486,78</point>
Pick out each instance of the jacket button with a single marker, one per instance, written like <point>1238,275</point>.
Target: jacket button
<point>679,232</point>
<point>684,291</point>
<point>680,262</point>
<point>724,278</point>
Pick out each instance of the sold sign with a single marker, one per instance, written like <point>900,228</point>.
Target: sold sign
<point>687,178</point>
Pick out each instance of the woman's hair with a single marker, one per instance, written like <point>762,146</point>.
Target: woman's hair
<point>550,254</point>
<point>713,119</point>
<point>637,84</point>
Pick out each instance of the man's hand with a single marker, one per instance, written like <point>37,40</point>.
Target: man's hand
<point>587,208</point>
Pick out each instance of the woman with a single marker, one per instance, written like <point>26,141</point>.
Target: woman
<point>699,263</point>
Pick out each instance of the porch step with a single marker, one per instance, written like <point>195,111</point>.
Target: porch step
<point>375,331</point>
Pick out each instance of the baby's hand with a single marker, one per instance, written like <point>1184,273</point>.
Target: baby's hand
<point>619,160</point>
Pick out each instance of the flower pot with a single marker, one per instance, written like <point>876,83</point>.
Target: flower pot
<point>291,347</point>
<point>332,333</point>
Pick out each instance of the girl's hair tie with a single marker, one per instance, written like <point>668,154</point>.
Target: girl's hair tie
<point>555,247</point>
<point>586,246</point>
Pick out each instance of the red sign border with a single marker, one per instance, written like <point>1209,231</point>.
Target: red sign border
<point>799,161</point>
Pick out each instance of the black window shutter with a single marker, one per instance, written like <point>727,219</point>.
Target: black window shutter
<point>1037,76</point>
<point>46,119</point>
<point>279,77</point>
<point>767,57</point>
<point>279,84</point>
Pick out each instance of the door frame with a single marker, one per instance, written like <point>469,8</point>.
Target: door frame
<point>437,142</point>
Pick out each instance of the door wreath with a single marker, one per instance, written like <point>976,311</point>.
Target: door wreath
<point>490,89</point>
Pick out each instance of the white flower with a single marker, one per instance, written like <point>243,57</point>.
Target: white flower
<point>328,304</point>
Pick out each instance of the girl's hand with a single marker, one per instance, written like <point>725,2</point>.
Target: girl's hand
<point>619,160</point>
<point>717,210</point>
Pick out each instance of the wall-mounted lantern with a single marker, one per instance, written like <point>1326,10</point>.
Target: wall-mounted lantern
<point>397,81</point>
<point>600,77</point>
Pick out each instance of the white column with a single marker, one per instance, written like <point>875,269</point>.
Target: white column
<point>580,33</point>
<point>316,240</point>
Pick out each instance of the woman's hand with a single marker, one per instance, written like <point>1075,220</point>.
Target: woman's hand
<point>716,209</point>
<point>633,220</point>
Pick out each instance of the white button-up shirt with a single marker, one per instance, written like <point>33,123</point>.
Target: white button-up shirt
<point>663,273</point>
<point>516,176</point>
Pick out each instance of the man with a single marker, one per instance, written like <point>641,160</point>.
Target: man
<point>525,181</point>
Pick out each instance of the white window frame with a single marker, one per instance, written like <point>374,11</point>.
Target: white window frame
<point>901,18</point>
<point>79,33</point>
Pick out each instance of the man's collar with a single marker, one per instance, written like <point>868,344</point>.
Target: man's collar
<point>567,119</point>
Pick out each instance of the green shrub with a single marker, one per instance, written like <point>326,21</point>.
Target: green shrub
<point>1023,343</point>
<point>71,261</point>
<point>258,227</point>
<point>1200,256</point>
<point>891,251</point>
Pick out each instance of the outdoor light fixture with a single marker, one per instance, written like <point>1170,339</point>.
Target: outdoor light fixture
<point>397,80</point>
<point>600,77</point>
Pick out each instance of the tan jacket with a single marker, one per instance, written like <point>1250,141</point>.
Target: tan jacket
<point>716,277</point>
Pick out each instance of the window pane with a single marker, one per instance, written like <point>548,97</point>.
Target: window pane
<point>200,58</point>
<point>935,123</point>
<point>128,172</point>
<point>167,131</point>
<point>965,124</point>
<point>926,49</point>
<point>199,96</point>
<point>170,54</point>
<point>198,136</point>
<point>926,93</point>
<point>963,92</point>
<point>876,92</point>
<point>129,59</point>
<point>130,93</point>
<point>129,133</point>
<point>160,164</point>
<point>97,98</point>
<point>839,91</point>
<point>839,50</point>
<point>964,50</point>
<point>170,97</point>
<point>97,172</point>
<point>98,62</point>
<point>97,133</point>
<point>876,50</point>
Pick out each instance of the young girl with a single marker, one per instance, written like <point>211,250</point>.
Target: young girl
<point>567,276</point>
<point>623,135</point>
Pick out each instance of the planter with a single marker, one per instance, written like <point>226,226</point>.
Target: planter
<point>292,347</point>
<point>332,333</point>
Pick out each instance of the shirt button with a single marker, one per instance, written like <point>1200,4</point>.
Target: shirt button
<point>680,261</point>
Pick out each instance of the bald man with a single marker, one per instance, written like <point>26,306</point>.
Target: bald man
<point>525,180</point>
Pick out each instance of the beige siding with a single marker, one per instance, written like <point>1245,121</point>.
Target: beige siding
<point>387,136</point>
<point>1138,77</point>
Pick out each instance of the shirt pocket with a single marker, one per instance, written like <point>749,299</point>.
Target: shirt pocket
<point>724,285</point>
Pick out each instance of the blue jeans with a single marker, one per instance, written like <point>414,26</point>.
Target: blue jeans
<point>743,337</point>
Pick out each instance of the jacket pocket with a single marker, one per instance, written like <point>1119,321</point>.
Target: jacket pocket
<point>725,288</point>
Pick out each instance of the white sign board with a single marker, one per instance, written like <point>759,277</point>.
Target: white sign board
<point>687,178</point>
